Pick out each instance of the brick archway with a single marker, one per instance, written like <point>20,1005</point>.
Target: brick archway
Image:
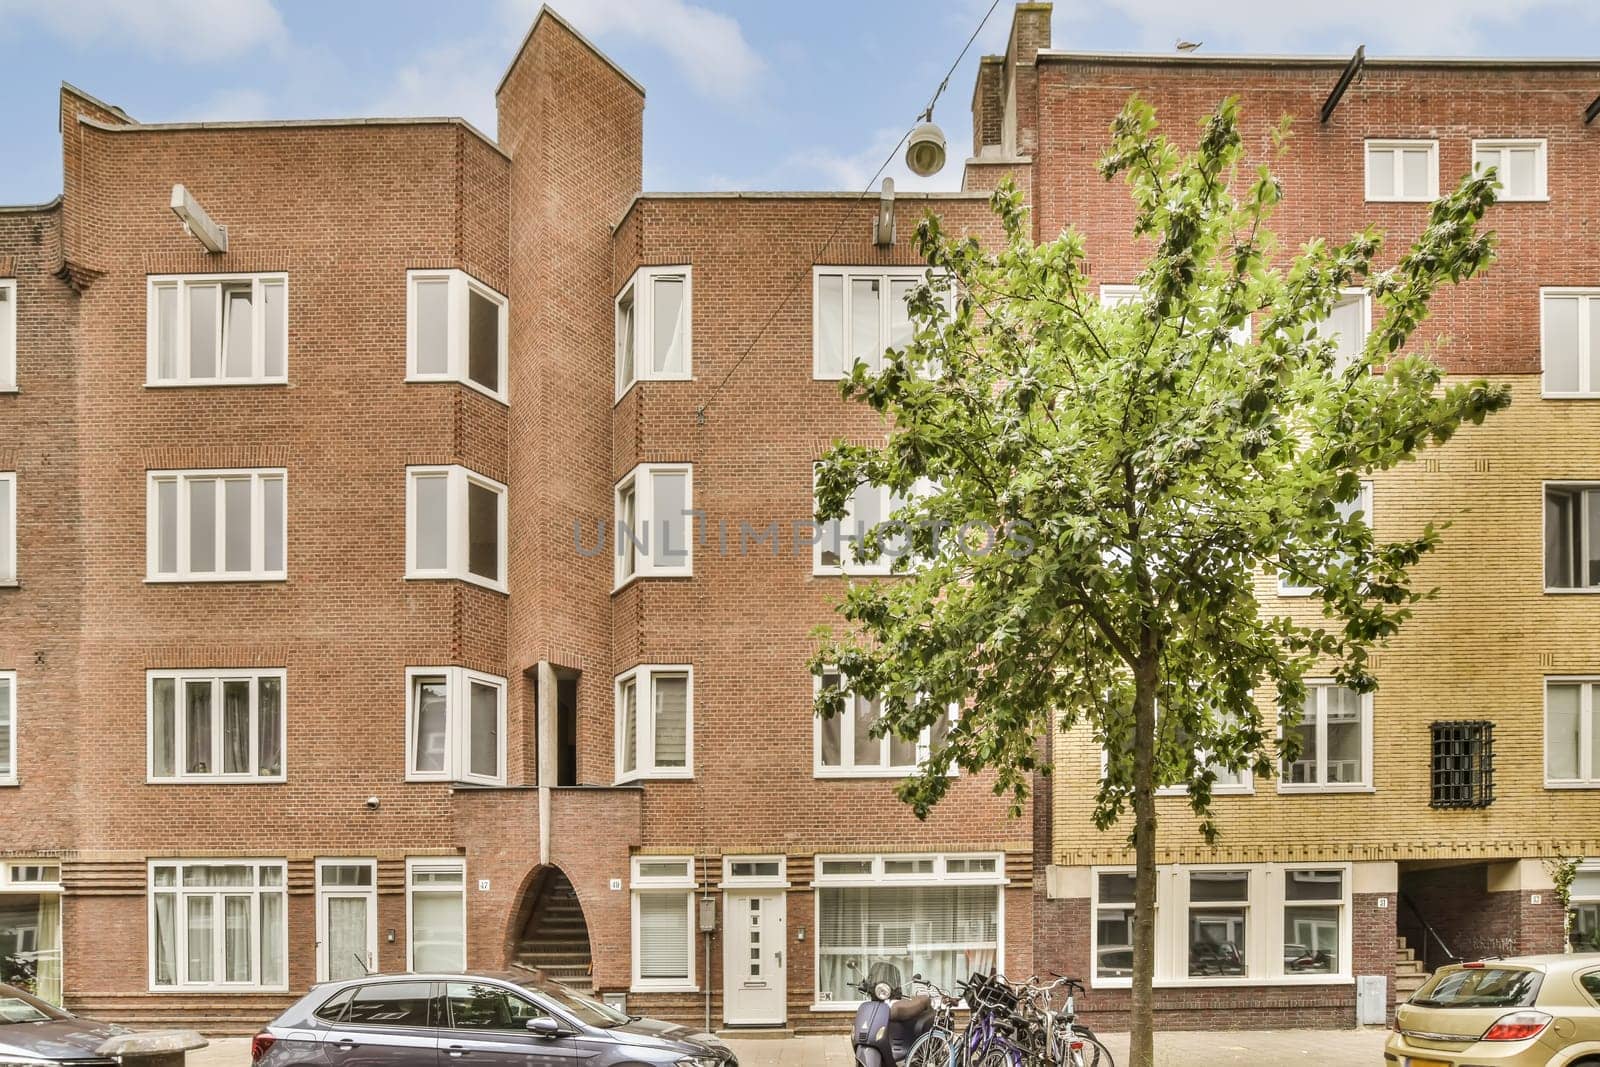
<point>552,933</point>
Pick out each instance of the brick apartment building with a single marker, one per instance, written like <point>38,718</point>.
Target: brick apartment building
<point>319,651</point>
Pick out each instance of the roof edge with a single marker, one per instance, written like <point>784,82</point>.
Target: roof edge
<point>1251,59</point>
<point>31,209</point>
<point>795,194</point>
<point>269,124</point>
<point>546,9</point>
<point>95,100</point>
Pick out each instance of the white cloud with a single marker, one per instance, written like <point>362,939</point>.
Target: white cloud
<point>453,79</point>
<point>232,105</point>
<point>195,31</point>
<point>708,47</point>
<point>1432,27</point>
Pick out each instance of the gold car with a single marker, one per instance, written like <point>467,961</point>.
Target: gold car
<point>1530,1011</point>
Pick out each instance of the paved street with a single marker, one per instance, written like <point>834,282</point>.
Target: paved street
<point>1322,1048</point>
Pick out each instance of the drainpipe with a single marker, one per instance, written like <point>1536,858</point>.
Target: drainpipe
<point>710,932</point>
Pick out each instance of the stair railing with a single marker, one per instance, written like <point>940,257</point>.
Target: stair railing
<point>1429,935</point>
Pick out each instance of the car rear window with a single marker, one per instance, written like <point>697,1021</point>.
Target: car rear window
<point>333,1008</point>
<point>1481,987</point>
<point>390,1004</point>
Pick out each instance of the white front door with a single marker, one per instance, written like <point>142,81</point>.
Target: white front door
<point>347,920</point>
<point>753,959</point>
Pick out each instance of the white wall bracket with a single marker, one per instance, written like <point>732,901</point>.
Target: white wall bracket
<point>196,222</point>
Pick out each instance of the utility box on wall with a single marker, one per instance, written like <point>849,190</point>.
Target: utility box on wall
<point>1372,1000</point>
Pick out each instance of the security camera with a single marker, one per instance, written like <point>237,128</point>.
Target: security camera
<point>372,803</point>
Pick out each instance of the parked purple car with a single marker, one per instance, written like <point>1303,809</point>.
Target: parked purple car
<point>513,1019</point>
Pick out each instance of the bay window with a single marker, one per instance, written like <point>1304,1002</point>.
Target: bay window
<point>653,327</point>
<point>216,525</point>
<point>846,748</point>
<point>455,726</point>
<point>1277,923</point>
<point>663,923</point>
<point>838,549</point>
<point>1571,741</point>
<point>1570,341</point>
<point>655,723</point>
<point>216,726</point>
<point>455,526</point>
<point>436,915</point>
<point>217,924</point>
<point>654,527</point>
<point>455,331</point>
<point>858,313</point>
<point>1571,537</point>
<point>934,915</point>
<point>1335,732</point>
<point>226,329</point>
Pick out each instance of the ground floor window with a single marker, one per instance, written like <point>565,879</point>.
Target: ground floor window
<point>663,927</point>
<point>30,928</point>
<point>436,908</point>
<point>1583,908</point>
<point>217,924</point>
<point>1215,924</point>
<point>889,917</point>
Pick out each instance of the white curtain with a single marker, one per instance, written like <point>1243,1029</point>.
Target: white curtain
<point>437,931</point>
<point>272,939</point>
<point>166,938</point>
<point>944,933</point>
<point>47,964</point>
<point>236,961</point>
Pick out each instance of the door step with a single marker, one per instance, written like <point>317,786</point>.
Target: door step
<point>756,1033</point>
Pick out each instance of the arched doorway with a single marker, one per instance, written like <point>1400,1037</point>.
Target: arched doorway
<point>555,937</point>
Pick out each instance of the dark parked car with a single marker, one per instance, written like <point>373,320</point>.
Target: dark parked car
<point>514,1019</point>
<point>33,1031</point>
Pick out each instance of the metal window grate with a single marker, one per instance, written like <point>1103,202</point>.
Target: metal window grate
<point>1463,764</point>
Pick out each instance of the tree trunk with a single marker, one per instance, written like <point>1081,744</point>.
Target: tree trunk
<point>1141,1037</point>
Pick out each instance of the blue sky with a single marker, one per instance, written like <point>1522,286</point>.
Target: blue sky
<point>758,95</point>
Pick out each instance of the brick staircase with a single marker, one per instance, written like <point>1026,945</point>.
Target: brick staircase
<point>556,938</point>
<point>1409,972</point>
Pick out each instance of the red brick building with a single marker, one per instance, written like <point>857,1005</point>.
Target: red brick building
<point>321,650</point>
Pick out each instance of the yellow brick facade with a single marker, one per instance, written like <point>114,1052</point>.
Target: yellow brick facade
<point>1481,649</point>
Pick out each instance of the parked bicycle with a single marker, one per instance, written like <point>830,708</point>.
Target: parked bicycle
<point>1018,1025</point>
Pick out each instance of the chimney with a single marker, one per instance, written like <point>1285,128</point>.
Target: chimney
<point>1030,33</point>
<point>989,107</point>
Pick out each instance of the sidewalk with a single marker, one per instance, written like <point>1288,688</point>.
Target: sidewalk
<point>1188,1048</point>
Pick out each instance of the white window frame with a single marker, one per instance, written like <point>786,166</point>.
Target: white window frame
<point>1587,684</point>
<point>643,678</point>
<point>440,864</point>
<point>458,725</point>
<point>370,892</point>
<point>755,881</point>
<point>886,276</point>
<point>1264,918</point>
<point>686,884</point>
<point>457,539</point>
<point>1588,535</point>
<point>1363,502</point>
<point>257,572</point>
<point>642,285</point>
<point>847,757</point>
<point>1245,786</point>
<point>641,480</point>
<point>184,284</point>
<point>8,532</point>
<point>8,349</point>
<point>1541,166</point>
<point>850,536</point>
<point>1322,685</point>
<point>180,947</point>
<point>878,879</point>
<point>8,776</point>
<point>1396,144</point>
<point>179,678</point>
<point>458,327</point>
<point>1588,297</point>
<point>1345,295</point>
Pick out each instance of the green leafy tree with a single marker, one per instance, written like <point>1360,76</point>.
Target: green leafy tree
<point>1092,490</point>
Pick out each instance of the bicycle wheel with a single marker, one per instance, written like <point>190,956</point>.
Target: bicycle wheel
<point>933,1049</point>
<point>1000,1056</point>
<point>1085,1050</point>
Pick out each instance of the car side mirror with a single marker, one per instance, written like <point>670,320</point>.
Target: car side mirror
<point>545,1027</point>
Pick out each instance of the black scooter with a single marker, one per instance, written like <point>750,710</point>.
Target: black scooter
<point>889,1022</point>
